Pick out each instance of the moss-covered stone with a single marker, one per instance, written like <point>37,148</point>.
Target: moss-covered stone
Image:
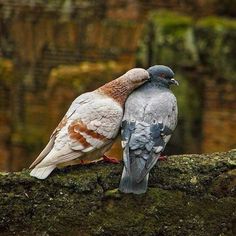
<point>84,76</point>
<point>215,38</point>
<point>183,199</point>
<point>169,36</point>
<point>177,39</point>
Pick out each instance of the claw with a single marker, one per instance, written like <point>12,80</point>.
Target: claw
<point>110,159</point>
<point>163,158</point>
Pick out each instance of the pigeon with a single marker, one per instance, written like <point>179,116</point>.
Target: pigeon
<point>149,120</point>
<point>90,125</point>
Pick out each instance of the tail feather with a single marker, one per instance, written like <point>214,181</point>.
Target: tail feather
<point>129,185</point>
<point>44,153</point>
<point>42,172</point>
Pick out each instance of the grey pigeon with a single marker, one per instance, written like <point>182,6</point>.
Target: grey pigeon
<point>149,120</point>
<point>90,126</point>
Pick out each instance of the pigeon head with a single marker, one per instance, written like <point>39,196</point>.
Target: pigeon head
<point>120,88</point>
<point>136,77</point>
<point>163,75</point>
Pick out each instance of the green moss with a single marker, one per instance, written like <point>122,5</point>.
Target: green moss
<point>170,19</point>
<point>215,23</point>
<point>224,184</point>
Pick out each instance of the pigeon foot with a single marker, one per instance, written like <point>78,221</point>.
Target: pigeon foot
<point>110,159</point>
<point>163,158</point>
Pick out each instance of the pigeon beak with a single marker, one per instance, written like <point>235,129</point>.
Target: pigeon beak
<point>173,81</point>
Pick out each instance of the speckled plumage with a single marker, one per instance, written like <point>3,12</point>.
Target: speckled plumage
<point>150,118</point>
<point>90,126</point>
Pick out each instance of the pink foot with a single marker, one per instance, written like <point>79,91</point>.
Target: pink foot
<point>162,158</point>
<point>110,159</point>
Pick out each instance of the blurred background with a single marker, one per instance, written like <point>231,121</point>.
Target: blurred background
<point>52,51</point>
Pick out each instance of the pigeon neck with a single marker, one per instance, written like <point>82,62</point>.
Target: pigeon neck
<point>158,83</point>
<point>117,89</point>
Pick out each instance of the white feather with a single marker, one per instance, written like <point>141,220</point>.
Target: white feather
<point>42,172</point>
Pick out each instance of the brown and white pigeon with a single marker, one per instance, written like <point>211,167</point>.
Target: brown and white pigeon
<point>90,125</point>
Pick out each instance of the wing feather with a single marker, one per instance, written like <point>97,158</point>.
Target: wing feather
<point>88,125</point>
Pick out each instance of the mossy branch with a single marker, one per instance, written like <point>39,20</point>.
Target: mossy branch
<point>188,195</point>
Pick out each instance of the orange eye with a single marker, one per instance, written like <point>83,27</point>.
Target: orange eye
<point>162,75</point>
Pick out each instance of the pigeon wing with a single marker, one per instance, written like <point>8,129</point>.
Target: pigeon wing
<point>83,99</point>
<point>155,145</point>
<point>126,132</point>
<point>91,126</point>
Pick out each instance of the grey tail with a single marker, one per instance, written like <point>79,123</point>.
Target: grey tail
<point>129,185</point>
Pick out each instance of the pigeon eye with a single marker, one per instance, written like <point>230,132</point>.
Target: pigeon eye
<point>162,75</point>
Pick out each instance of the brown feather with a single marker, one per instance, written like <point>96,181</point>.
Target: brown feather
<point>76,135</point>
<point>77,127</point>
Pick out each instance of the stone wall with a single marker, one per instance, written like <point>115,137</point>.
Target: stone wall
<point>217,53</point>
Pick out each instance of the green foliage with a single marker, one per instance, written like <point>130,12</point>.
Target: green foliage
<point>169,19</point>
<point>217,23</point>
